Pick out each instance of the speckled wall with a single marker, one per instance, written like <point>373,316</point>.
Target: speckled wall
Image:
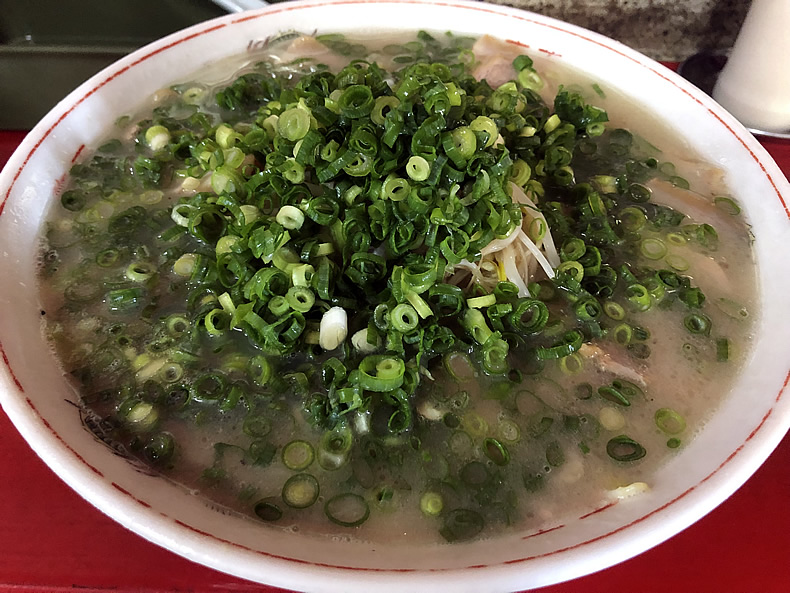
<point>663,29</point>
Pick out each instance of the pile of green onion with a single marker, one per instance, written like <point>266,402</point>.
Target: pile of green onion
<point>322,214</point>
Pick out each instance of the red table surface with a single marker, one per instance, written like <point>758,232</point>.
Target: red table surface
<point>52,540</point>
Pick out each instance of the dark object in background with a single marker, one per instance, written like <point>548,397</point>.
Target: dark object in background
<point>49,47</point>
<point>665,30</point>
<point>703,69</point>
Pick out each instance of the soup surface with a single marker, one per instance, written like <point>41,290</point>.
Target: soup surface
<point>396,290</point>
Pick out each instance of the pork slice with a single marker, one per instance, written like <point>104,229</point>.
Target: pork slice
<point>494,60</point>
<point>606,362</point>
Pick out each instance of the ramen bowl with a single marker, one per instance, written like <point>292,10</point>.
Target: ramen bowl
<point>736,439</point>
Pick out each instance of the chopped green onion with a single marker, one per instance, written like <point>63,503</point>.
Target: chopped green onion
<point>677,262</point>
<point>300,298</point>
<point>570,343</point>
<point>669,421</point>
<point>529,79</point>
<point>732,308</point>
<point>140,271</point>
<point>143,416</point>
<point>464,141</point>
<point>461,524</point>
<point>290,217</point>
<point>459,366</point>
<point>293,124</point>
<point>571,364</point>
<point>496,451</point>
<point>300,491</point>
<point>217,322</point>
<point>638,192</point>
<point>395,188</point>
<point>622,334</point>
<point>508,431</point>
<point>381,106</point>
<point>157,137</point>
<point>638,296</point>
<point>268,510</point>
<point>416,301</point>
<point>697,323</point>
<point>552,123</point>
<point>431,503</point>
<point>356,101</point>
<point>256,425</point>
<point>160,448</point>
<point>722,349</point>
<point>481,301</point>
<point>614,310</point>
<point>653,248</point>
<point>676,239</point>
<point>122,299</point>
<point>487,127</point>
<point>381,372</point>
<point>728,205</point>
<point>177,325</point>
<point>298,455</point>
<point>624,448</point>
<point>417,168</point>
<point>404,318</point>
<point>334,448</point>
<point>347,509</point>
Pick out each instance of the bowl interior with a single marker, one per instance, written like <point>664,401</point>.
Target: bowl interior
<point>36,396</point>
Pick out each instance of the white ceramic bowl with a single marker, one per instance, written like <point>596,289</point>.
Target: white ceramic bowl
<point>733,444</point>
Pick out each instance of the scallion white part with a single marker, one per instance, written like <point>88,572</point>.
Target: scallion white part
<point>631,490</point>
<point>184,265</point>
<point>333,329</point>
<point>361,344</point>
<point>157,137</point>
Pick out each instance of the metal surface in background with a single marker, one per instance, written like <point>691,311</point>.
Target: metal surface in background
<point>49,47</point>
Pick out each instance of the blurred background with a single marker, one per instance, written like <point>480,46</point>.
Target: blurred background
<point>48,47</point>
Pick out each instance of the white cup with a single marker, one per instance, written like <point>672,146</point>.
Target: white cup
<point>755,84</point>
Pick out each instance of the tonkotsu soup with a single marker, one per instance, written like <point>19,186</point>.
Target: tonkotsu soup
<point>414,290</point>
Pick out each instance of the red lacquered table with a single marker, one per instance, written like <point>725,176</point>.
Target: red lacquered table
<point>52,540</point>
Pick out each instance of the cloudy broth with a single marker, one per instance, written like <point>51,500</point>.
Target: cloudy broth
<point>202,345</point>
